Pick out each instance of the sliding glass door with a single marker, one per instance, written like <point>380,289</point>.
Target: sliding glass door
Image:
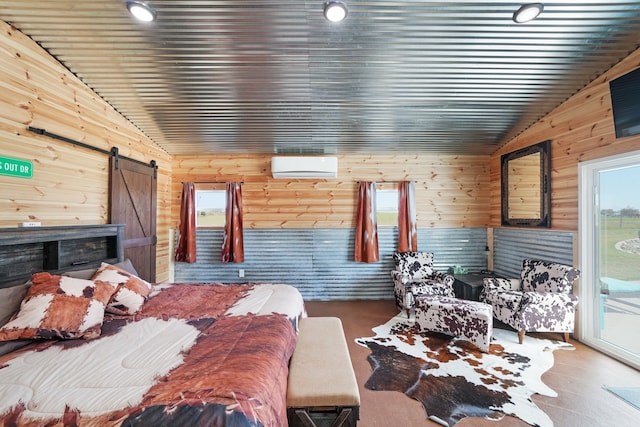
<point>610,256</point>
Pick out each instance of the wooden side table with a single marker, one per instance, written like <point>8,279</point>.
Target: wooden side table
<point>468,286</point>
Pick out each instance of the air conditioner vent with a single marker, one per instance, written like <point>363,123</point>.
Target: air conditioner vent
<point>294,167</point>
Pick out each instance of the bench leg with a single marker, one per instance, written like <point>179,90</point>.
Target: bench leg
<point>304,418</point>
<point>342,418</point>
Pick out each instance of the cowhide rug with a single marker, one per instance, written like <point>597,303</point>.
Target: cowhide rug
<point>455,380</point>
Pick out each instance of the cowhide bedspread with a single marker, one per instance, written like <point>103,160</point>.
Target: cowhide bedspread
<point>206,355</point>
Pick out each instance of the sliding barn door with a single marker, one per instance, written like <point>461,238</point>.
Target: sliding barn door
<point>133,196</point>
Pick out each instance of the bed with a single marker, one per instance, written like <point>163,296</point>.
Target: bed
<point>183,354</point>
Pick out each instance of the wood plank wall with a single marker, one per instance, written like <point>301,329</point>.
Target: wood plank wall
<point>69,184</point>
<point>580,129</point>
<point>451,191</point>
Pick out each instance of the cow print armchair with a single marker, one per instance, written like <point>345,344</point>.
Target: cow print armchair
<point>542,300</point>
<point>414,275</point>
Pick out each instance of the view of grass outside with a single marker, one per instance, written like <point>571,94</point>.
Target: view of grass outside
<point>387,219</point>
<point>615,262</point>
<point>619,204</point>
<point>211,218</point>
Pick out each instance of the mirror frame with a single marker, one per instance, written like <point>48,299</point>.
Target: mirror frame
<point>544,148</point>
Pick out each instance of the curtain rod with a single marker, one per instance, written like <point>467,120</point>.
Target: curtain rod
<point>388,182</point>
<point>113,152</point>
<point>212,182</point>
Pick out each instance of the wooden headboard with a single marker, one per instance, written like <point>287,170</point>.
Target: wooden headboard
<point>28,250</point>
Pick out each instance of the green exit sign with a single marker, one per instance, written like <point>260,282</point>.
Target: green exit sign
<point>16,167</point>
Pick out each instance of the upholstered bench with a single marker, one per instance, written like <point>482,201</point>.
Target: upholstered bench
<point>471,320</point>
<point>322,388</point>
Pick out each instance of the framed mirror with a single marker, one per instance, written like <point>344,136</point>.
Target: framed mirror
<point>526,187</point>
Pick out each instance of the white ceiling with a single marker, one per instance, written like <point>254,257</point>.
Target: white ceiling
<point>261,76</point>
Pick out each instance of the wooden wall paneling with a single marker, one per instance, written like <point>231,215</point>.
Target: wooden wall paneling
<point>450,190</point>
<point>164,255</point>
<point>67,107</point>
<point>14,107</point>
<point>580,129</point>
<point>70,183</point>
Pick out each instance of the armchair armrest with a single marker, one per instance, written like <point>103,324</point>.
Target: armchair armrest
<point>548,299</point>
<point>493,284</point>
<point>404,279</point>
<point>396,276</point>
<point>546,312</point>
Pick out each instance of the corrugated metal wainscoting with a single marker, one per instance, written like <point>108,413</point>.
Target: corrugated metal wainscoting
<point>512,245</point>
<point>319,262</point>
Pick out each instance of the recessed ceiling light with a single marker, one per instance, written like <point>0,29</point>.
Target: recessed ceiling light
<point>141,11</point>
<point>335,11</point>
<point>527,12</point>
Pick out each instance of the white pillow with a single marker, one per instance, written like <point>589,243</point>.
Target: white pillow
<point>131,291</point>
<point>515,284</point>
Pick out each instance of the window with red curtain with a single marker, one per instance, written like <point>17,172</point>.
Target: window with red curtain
<point>366,241</point>
<point>186,250</point>
<point>233,243</point>
<point>407,229</point>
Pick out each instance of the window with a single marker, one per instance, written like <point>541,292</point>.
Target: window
<point>387,205</point>
<point>211,203</point>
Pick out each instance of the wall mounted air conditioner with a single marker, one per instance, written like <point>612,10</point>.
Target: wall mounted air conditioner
<point>304,167</point>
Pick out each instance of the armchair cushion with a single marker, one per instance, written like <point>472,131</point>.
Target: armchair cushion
<point>505,304</point>
<point>500,284</point>
<point>432,287</point>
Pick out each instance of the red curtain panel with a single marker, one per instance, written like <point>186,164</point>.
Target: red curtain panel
<point>186,251</point>
<point>366,242</point>
<point>233,244</point>
<point>407,229</point>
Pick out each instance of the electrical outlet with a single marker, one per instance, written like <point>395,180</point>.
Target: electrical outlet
<point>30,224</point>
<point>241,272</point>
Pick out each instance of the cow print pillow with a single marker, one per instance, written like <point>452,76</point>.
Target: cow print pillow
<point>59,307</point>
<point>131,292</point>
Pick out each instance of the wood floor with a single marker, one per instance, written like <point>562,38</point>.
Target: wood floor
<point>577,376</point>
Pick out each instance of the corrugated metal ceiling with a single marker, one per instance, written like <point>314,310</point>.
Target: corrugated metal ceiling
<point>276,77</point>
